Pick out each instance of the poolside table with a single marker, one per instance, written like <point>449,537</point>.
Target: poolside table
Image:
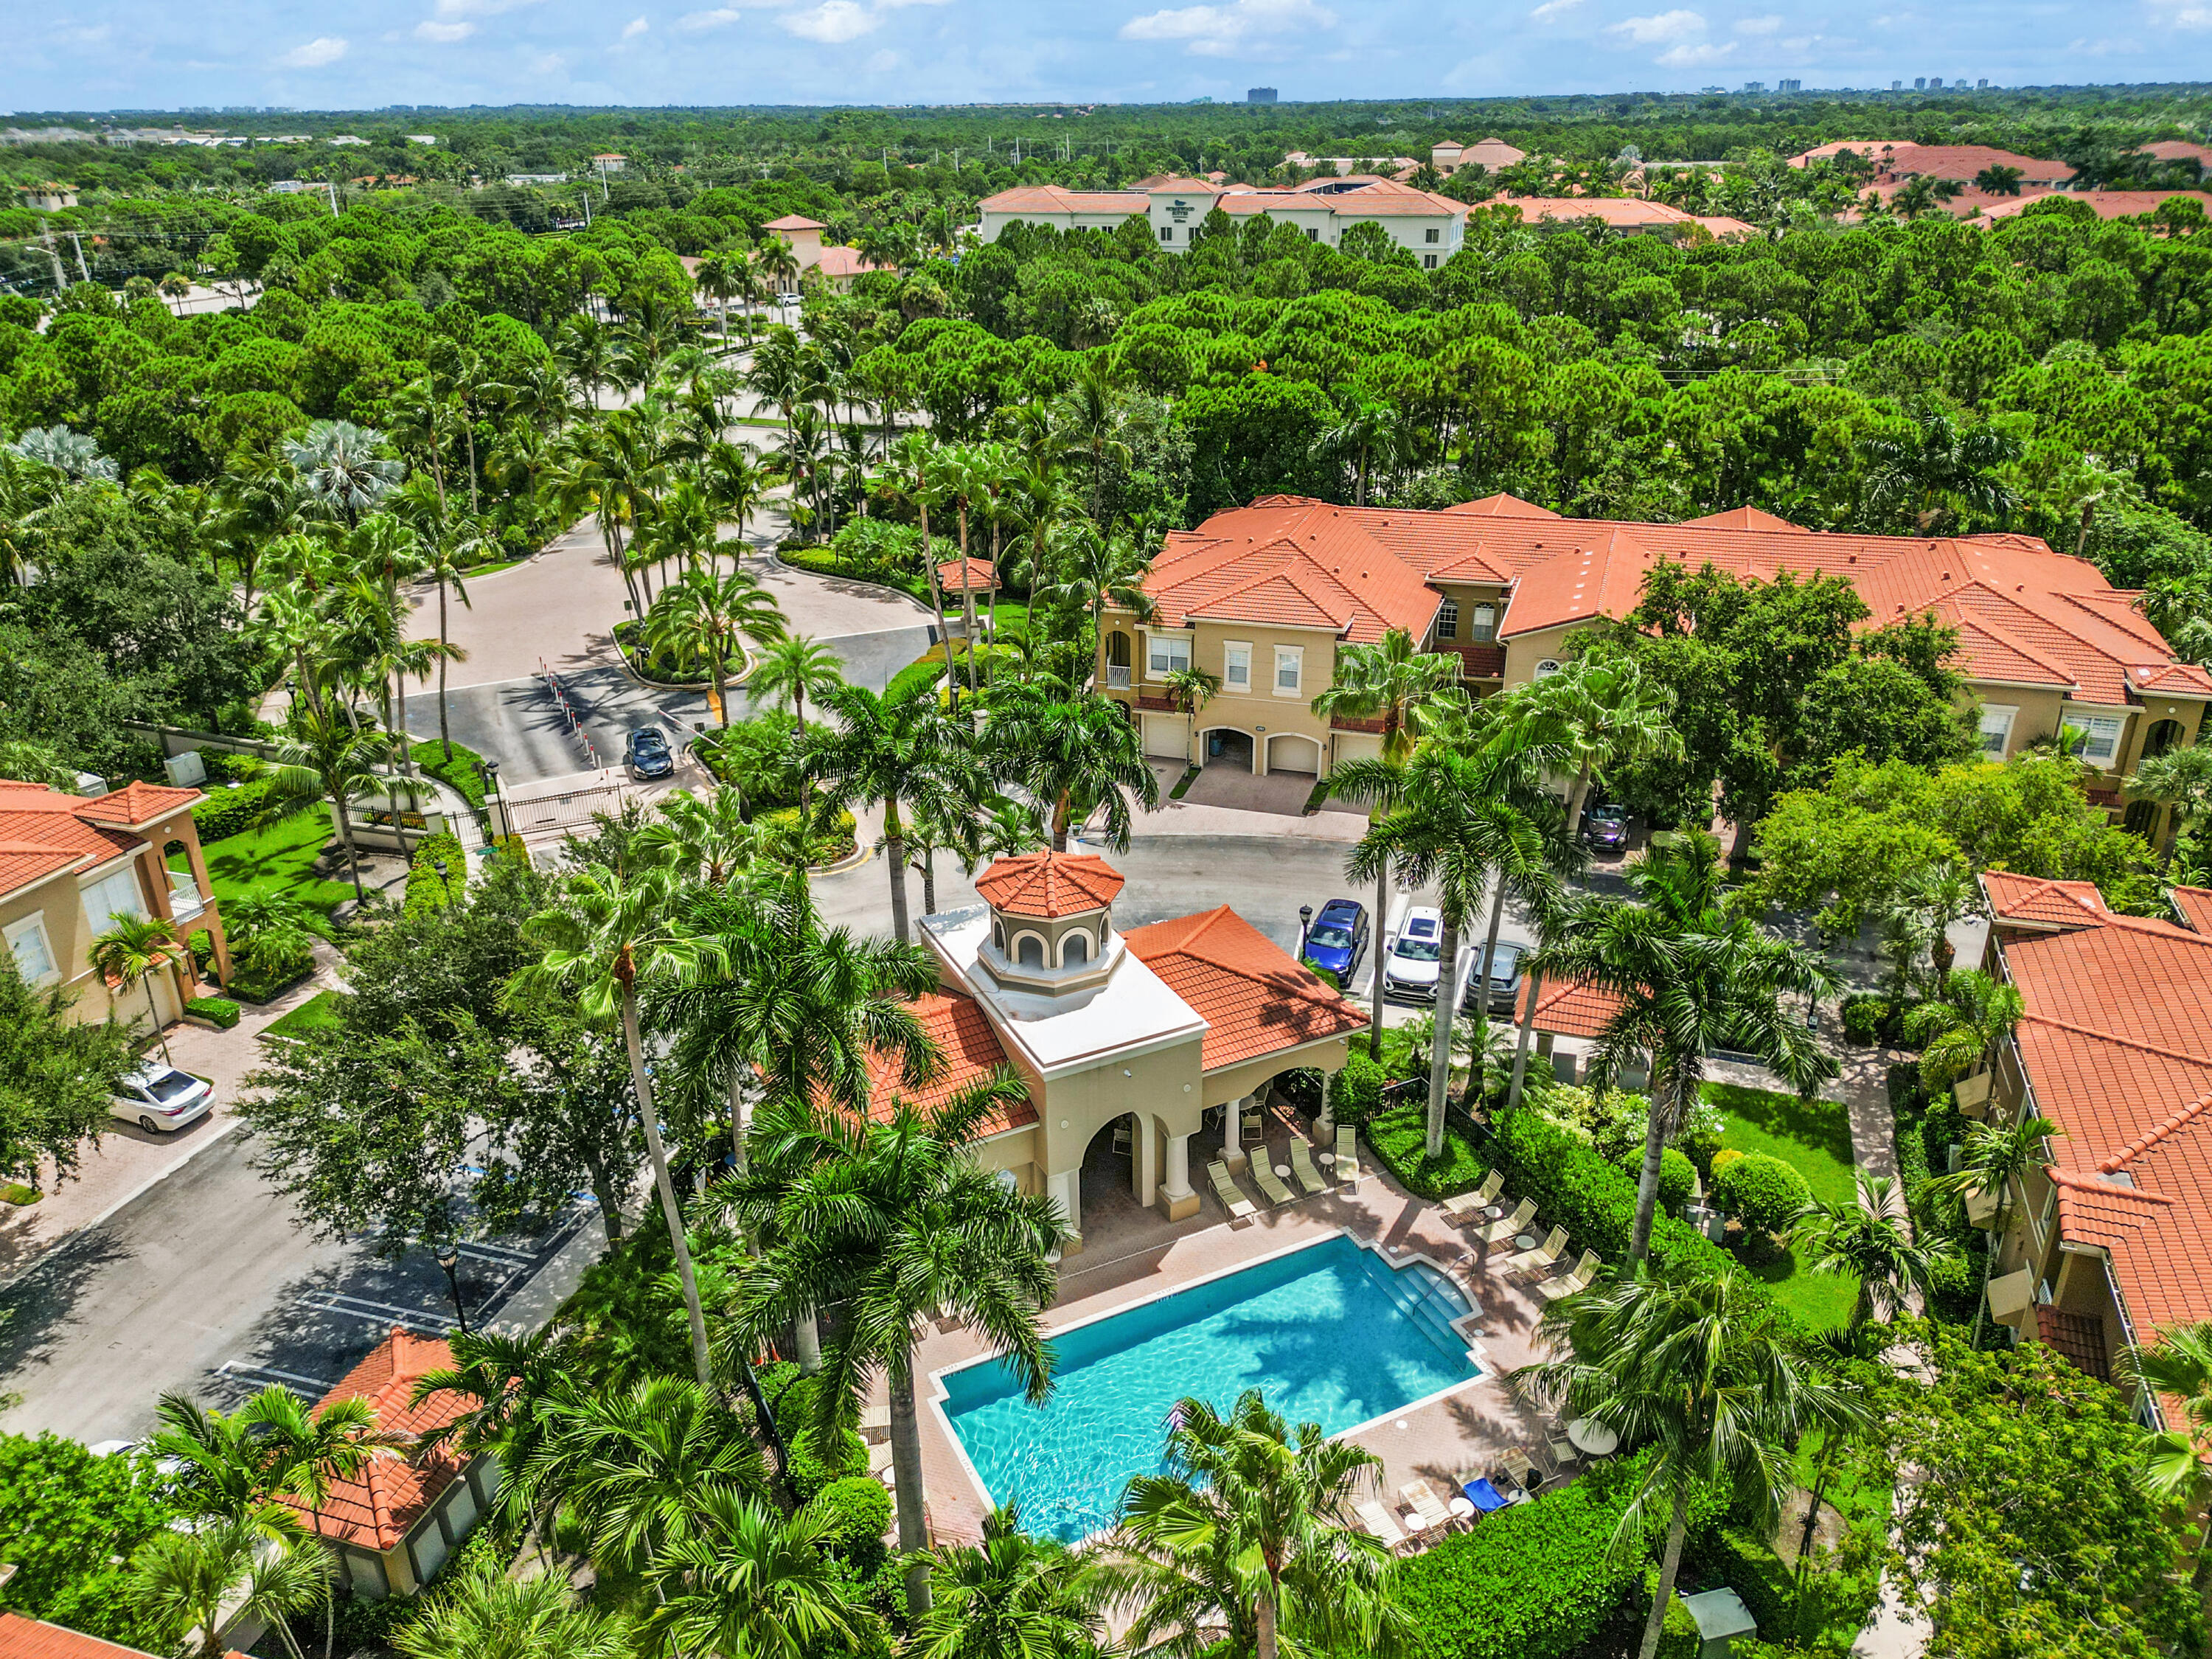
<point>1593,1438</point>
<point>1283,1170</point>
<point>1461,1511</point>
<point>1526,1242</point>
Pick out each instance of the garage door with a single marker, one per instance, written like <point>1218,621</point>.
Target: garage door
<point>1166,737</point>
<point>1358,746</point>
<point>1291,753</point>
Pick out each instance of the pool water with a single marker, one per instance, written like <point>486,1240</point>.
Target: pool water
<point>1331,1333</point>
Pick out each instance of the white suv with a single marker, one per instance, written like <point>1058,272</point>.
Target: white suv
<point>1410,968</point>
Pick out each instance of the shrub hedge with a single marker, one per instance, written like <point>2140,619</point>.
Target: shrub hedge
<point>426,889</point>
<point>1762,1192</point>
<point>814,1463</point>
<point>1356,1090</point>
<point>858,1511</point>
<point>460,774</point>
<point>216,1010</point>
<point>1399,1138</point>
<point>232,811</point>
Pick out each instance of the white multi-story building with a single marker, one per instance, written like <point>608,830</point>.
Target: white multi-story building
<point>1426,225</point>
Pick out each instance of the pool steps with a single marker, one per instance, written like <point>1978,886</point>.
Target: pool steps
<point>1427,1299</point>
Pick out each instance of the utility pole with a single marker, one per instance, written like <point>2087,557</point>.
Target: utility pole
<point>333,189</point>
<point>60,281</point>
<point>79,246</point>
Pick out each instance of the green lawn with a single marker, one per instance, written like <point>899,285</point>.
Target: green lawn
<point>319,1010</point>
<point>1814,1138</point>
<point>278,857</point>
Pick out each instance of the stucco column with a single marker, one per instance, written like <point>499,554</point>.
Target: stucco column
<point>1176,1198</point>
<point>1065,1189</point>
<point>1145,1158</point>
<point>1232,1150</point>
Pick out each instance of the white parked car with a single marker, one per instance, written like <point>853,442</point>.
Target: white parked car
<point>159,1098</point>
<point>1411,966</point>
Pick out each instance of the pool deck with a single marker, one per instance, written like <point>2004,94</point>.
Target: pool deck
<point>1131,1256</point>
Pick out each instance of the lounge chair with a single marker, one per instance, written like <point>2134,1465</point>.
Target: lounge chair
<point>1381,1524</point>
<point>1578,1279</point>
<point>1526,1474</point>
<point>1265,1178</point>
<point>1347,1154</point>
<point>1230,1194</point>
<point>1463,1207</point>
<point>1504,1229</point>
<point>1536,1262</point>
<point>1485,1498</point>
<point>1427,1504</point>
<point>1302,1166</point>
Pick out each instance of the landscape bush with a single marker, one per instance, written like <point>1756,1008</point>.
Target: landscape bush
<point>216,1010</point>
<point>69,1524</point>
<point>231,811</point>
<point>1356,1089</point>
<point>1399,1138</point>
<point>858,1511</point>
<point>462,773</point>
<point>1868,1016</point>
<point>817,1460</point>
<point>427,890</point>
<point>201,944</point>
<point>1678,1177</point>
<point>1762,1192</point>
<point>1325,975</point>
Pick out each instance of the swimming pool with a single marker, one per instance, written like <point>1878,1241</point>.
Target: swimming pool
<point>1331,1332</point>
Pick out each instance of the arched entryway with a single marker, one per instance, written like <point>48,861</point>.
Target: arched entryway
<point>2162,737</point>
<point>1118,659</point>
<point>1224,745</point>
<point>1116,1184</point>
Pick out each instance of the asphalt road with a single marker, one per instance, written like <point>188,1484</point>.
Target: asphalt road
<point>203,1286</point>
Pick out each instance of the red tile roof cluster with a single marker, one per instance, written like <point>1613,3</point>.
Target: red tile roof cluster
<point>1896,159</point>
<point>967,575</point>
<point>1254,999</point>
<point>394,1489</point>
<point>1051,199</point>
<point>34,1638</point>
<point>1617,212</point>
<point>971,1053</point>
<point>44,831</point>
<point>2177,149</point>
<point>2115,1044</point>
<point>846,262</point>
<point>2032,902</point>
<point>2104,203</point>
<point>1049,885</point>
<point>1569,1007</point>
<point>1360,197</point>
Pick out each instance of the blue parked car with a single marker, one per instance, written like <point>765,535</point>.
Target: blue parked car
<point>1339,937</point>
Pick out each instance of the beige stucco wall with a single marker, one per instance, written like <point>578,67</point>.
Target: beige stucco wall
<point>1258,710</point>
<point>1235,1082</point>
<point>1524,651</point>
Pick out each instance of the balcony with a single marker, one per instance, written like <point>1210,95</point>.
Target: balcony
<point>1972,1094</point>
<point>2012,1295</point>
<point>185,901</point>
<point>1117,676</point>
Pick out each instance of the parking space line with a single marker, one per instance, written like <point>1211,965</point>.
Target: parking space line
<point>497,1252</point>
<point>412,1318</point>
<point>291,1379</point>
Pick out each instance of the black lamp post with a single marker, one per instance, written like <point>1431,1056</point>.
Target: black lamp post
<point>1305,925</point>
<point>450,1260</point>
<point>491,789</point>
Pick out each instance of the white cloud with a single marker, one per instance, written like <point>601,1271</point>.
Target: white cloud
<point>315,54</point>
<point>545,63</point>
<point>881,63</point>
<point>446,32</point>
<point>1551,8</point>
<point>2181,13</point>
<point>833,22</point>
<point>1657,30</point>
<point>479,8</point>
<point>1241,28</point>
<point>1765,25</point>
<point>693,22</point>
<point>636,27</point>
<point>1692,57</point>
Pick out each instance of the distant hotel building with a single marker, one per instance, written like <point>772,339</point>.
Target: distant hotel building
<point>1260,95</point>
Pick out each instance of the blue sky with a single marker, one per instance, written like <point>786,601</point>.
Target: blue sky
<point>148,53</point>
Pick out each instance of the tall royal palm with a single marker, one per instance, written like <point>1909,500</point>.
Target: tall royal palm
<point>1092,571</point>
<point>792,669</point>
<point>1455,827</point>
<point>1700,1372</point>
<point>1868,1237</point>
<point>1072,755</point>
<point>1995,1158</point>
<point>896,750</point>
<point>895,1223</point>
<point>700,617</point>
<point>311,1451</point>
<point>613,936</point>
<point>1249,1529</point>
<point>1692,970</point>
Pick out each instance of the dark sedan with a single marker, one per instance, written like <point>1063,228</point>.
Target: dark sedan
<point>647,754</point>
<point>1605,827</point>
<point>1504,978</point>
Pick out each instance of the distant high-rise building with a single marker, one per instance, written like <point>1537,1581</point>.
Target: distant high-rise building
<point>1897,86</point>
<point>1934,83</point>
<point>1790,86</point>
<point>1754,86</point>
<point>1982,85</point>
<point>1260,95</point>
<point>1920,84</point>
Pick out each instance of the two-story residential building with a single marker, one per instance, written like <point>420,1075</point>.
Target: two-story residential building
<point>71,864</point>
<point>2106,1245</point>
<point>1428,226</point>
<point>1263,596</point>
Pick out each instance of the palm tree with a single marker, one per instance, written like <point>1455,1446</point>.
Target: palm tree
<point>1089,415</point>
<point>1586,719</point>
<point>74,455</point>
<point>34,762</point>
<point>1998,180</point>
<point>911,474</point>
<point>1072,754</point>
<point>1992,1160</point>
<point>1957,1031</point>
<point>2182,778</point>
<point>1248,1529</point>
<point>328,759</point>
<point>440,568</point>
<point>1920,913</point>
<point>1692,970</point>
<point>505,1378</point>
<point>700,617</point>
<point>1190,689</point>
<point>790,670</point>
<point>1094,571</point>
<point>339,467</point>
<point>897,749</point>
<point>721,278</point>
<point>1700,1371</point>
<point>1870,1239</point>
<point>310,1449</point>
<point>129,952</point>
<point>192,1584</point>
<point>895,1223</point>
<point>2177,1365</point>
<point>1941,471</point>
<point>1455,828</point>
<point>749,1581</point>
<point>1370,427</point>
<point>611,933</point>
<point>483,1614</point>
<point>1012,1596</point>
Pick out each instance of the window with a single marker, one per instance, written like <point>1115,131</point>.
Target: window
<point>1485,624</point>
<point>2094,737</point>
<point>1237,667</point>
<point>1996,729</point>
<point>1075,950</point>
<point>1428,262</point>
<point>1289,666</point>
<point>1546,669</point>
<point>1448,620</point>
<point>111,896</point>
<point>1167,232</point>
<point>35,957</point>
<point>1312,234</point>
<point>1167,653</point>
<point>1029,950</point>
<point>1434,235</point>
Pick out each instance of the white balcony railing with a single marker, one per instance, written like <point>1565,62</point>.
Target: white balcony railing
<point>185,899</point>
<point>1117,676</point>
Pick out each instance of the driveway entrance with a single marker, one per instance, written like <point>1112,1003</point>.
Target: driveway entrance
<point>1225,746</point>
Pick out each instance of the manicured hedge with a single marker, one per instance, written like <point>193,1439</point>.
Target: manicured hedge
<point>814,1463</point>
<point>1762,1192</point>
<point>425,890</point>
<point>1399,1138</point>
<point>459,774</point>
<point>1356,1090</point>
<point>216,1010</point>
<point>229,811</point>
<point>857,1509</point>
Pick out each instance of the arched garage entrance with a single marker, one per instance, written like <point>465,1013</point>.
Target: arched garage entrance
<point>1224,745</point>
<point>1287,751</point>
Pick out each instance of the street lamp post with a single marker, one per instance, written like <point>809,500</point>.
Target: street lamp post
<point>1305,925</point>
<point>450,1260</point>
<point>491,789</point>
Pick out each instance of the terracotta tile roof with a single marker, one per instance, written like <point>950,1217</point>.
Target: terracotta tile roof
<point>1254,1000</point>
<point>34,1638</point>
<point>1569,1008</point>
<point>2077,1336</point>
<point>2116,1052</point>
<point>1746,518</point>
<point>794,221</point>
<point>1720,225</point>
<point>1293,563</point>
<point>2104,203</point>
<point>1900,159</point>
<point>2194,906</point>
<point>846,262</point>
<point>135,804</point>
<point>1049,885</point>
<point>1169,184</point>
<point>2033,901</point>
<point>977,575</point>
<point>1499,506</point>
<point>971,1052</point>
<point>1477,662</point>
<point>2172,679</point>
<point>1051,199</point>
<point>44,831</point>
<point>1616,212</point>
<point>2177,150</point>
<point>394,1489</point>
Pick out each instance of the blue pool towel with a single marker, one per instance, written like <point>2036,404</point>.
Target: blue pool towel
<point>1484,1496</point>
